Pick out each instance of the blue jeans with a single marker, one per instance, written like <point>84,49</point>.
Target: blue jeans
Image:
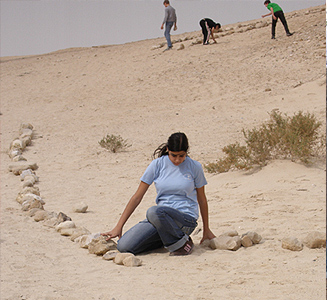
<point>163,226</point>
<point>169,25</point>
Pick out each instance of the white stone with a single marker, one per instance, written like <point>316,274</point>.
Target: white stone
<point>19,158</point>
<point>110,255</point>
<point>255,237</point>
<point>132,261</point>
<point>80,207</point>
<point>31,177</point>
<point>120,257</point>
<point>26,173</point>
<point>63,217</point>
<point>225,242</point>
<point>30,180</point>
<point>14,152</point>
<point>181,47</point>
<point>33,203</point>
<point>18,167</point>
<point>66,224</point>
<point>79,231</point>
<point>315,239</point>
<point>41,215</point>
<point>67,231</point>
<point>26,132</point>
<point>26,139</point>
<point>100,246</point>
<point>17,144</point>
<point>30,198</point>
<point>87,239</point>
<point>25,126</point>
<point>32,211</point>
<point>28,183</point>
<point>27,191</point>
<point>51,223</point>
<point>30,190</point>
<point>246,241</point>
<point>292,243</point>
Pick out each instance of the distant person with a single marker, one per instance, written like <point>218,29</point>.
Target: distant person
<point>170,20</point>
<point>208,26</point>
<point>277,13</point>
<point>179,181</point>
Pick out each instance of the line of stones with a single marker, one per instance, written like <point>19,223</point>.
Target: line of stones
<point>30,199</point>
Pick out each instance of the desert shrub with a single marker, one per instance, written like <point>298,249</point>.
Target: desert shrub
<point>113,143</point>
<point>295,138</point>
<point>236,156</point>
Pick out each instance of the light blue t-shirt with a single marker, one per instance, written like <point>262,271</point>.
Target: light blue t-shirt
<point>176,185</point>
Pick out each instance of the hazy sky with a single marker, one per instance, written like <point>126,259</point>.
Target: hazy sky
<point>37,27</point>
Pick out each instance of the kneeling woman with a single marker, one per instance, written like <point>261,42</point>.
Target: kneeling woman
<point>179,182</point>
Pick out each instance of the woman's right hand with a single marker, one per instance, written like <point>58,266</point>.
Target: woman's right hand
<point>130,207</point>
<point>117,231</point>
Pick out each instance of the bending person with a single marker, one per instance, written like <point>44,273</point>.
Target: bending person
<point>208,27</point>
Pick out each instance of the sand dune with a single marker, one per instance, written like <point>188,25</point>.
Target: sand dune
<point>74,97</point>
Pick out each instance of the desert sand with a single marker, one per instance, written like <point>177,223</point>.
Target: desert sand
<point>74,97</point>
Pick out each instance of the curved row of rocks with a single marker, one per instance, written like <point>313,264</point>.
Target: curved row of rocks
<point>31,201</point>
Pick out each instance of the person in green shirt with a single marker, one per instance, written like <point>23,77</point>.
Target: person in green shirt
<point>277,13</point>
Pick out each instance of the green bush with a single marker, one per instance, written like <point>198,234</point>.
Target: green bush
<point>295,138</point>
<point>114,143</point>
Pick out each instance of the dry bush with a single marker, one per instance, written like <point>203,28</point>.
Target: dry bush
<point>295,138</point>
<point>114,143</point>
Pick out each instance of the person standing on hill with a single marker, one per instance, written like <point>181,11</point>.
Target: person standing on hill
<point>277,13</point>
<point>170,20</point>
<point>208,27</point>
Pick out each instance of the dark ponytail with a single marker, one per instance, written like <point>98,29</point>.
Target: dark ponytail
<point>176,142</point>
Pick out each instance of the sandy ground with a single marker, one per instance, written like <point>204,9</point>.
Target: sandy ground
<point>74,97</point>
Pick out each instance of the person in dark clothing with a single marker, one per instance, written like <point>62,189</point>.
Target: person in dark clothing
<point>208,27</point>
<point>277,13</point>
